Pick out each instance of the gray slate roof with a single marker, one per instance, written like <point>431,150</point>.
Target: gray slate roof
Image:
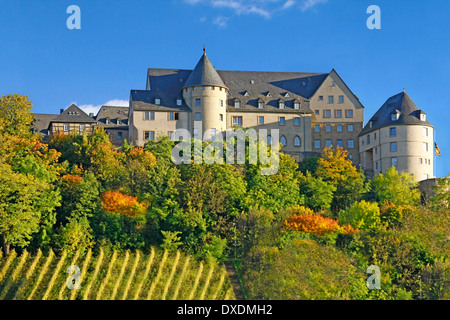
<point>204,74</point>
<point>73,114</point>
<point>400,103</point>
<point>167,85</point>
<point>114,114</point>
<point>41,122</point>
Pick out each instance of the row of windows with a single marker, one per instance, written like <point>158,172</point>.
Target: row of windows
<point>237,121</point>
<point>331,99</point>
<point>339,143</point>
<point>171,116</point>
<point>339,128</point>
<point>337,113</point>
<point>393,133</point>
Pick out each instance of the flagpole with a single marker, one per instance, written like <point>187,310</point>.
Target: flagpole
<point>434,154</point>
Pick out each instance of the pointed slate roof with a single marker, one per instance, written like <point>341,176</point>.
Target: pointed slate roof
<point>73,114</point>
<point>204,74</point>
<point>401,103</point>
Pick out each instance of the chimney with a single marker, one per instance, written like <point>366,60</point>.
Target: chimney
<point>61,111</point>
<point>91,114</point>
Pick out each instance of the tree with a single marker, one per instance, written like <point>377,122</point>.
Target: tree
<point>318,193</point>
<point>395,187</point>
<point>19,194</point>
<point>362,215</point>
<point>16,116</point>
<point>441,194</point>
<point>336,169</point>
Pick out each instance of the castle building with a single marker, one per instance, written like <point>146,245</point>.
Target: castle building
<point>399,135</point>
<point>311,110</point>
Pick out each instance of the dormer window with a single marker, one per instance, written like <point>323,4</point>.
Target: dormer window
<point>296,105</point>
<point>261,104</point>
<point>268,94</point>
<point>179,102</point>
<point>281,104</point>
<point>246,94</point>
<point>237,103</point>
<point>395,115</point>
<point>370,124</point>
<point>157,101</point>
<point>108,121</point>
<point>287,95</point>
<point>423,117</point>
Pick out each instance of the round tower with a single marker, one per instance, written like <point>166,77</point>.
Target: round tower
<point>206,94</point>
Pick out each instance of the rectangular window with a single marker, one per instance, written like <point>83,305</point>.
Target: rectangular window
<point>368,139</point>
<point>260,120</point>
<point>327,113</point>
<point>328,128</point>
<point>316,112</point>
<point>237,121</point>
<point>66,128</point>
<point>195,133</point>
<point>296,105</point>
<point>349,113</point>
<point>171,116</point>
<point>320,98</point>
<point>157,101</point>
<point>237,104</point>
<point>221,102</point>
<point>203,87</point>
<point>340,143</point>
<point>338,113</point>
<point>317,144</point>
<point>420,161</point>
<point>281,105</point>
<point>198,116</point>
<point>330,99</point>
<point>120,135</point>
<point>425,147</point>
<point>149,135</point>
<point>341,99</point>
<point>146,115</point>
<point>393,146</point>
<point>375,136</point>
<point>350,128</point>
<point>296,121</point>
<point>425,132</point>
<point>351,143</point>
<point>221,117</point>
<point>261,105</point>
<point>394,161</point>
<point>327,143</point>
<point>376,165</point>
<point>82,127</point>
<point>376,150</point>
<point>282,121</point>
<point>198,102</point>
<point>339,128</point>
<point>392,132</point>
<point>179,102</point>
<point>317,128</point>
<point>171,136</point>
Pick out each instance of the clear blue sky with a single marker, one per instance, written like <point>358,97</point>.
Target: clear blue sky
<point>119,40</point>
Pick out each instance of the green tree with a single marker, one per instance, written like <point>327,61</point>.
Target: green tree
<point>395,187</point>
<point>337,170</point>
<point>318,193</point>
<point>19,219</point>
<point>362,215</point>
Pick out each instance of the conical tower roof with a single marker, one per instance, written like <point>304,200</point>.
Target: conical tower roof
<point>204,74</point>
<point>404,106</point>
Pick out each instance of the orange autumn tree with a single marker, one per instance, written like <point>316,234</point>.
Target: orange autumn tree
<point>305,220</point>
<point>118,202</point>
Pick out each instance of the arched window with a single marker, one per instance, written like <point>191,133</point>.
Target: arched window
<point>297,141</point>
<point>283,141</point>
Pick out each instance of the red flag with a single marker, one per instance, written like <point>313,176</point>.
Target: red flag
<point>437,151</point>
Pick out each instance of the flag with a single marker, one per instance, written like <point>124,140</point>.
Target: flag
<point>437,151</point>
